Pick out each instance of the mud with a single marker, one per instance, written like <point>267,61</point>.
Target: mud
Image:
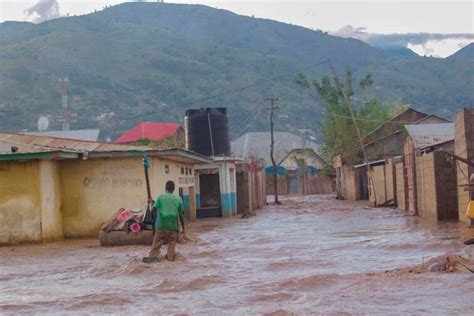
<point>310,255</point>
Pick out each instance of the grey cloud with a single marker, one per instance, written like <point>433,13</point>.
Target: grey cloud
<point>44,10</point>
<point>398,39</point>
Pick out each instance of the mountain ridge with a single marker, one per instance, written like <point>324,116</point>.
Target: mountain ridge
<point>146,61</point>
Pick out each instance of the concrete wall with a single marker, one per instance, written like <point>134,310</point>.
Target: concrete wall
<point>464,147</point>
<point>20,202</point>
<point>426,186</point>
<point>349,183</point>
<point>250,190</point>
<point>436,188</point>
<point>318,184</point>
<point>50,201</point>
<point>93,189</point>
<point>446,187</point>
<point>283,184</point>
<point>400,185</point>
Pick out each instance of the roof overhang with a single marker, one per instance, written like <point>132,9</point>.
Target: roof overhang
<point>170,154</point>
<point>40,155</point>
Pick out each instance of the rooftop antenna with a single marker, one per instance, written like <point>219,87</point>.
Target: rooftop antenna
<point>64,82</point>
<point>43,123</point>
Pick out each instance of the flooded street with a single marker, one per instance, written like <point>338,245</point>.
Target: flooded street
<point>311,254</point>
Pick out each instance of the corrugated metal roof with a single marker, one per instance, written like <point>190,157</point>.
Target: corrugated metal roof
<point>258,144</point>
<point>41,144</point>
<point>69,148</point>
<point>425,135</point>
<point>80,134</point>
<point>149,130</point>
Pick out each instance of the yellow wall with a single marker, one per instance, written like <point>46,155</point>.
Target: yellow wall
<point>50,200</point>
<point>20,207</point>
<point>94,189</point>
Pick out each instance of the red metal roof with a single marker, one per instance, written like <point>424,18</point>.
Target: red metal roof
<point>150,130</point>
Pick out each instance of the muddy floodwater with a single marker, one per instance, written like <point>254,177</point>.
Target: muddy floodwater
<point>312,254</point>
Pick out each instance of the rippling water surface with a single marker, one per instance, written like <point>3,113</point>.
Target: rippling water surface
<point>312,254</point>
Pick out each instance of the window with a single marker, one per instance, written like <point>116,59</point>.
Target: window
<point>182,170</point>
<point>167,169</point>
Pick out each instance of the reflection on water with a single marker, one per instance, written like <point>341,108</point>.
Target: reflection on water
<point>311,254</point>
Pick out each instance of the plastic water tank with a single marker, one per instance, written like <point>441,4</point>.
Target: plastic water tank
<point>208,131</point>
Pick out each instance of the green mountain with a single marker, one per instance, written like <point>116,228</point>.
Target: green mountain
<point>151,61</point>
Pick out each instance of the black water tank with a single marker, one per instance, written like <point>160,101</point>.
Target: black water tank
<point>208,131</point>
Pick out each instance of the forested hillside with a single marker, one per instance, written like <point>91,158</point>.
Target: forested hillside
<point>151,61</point>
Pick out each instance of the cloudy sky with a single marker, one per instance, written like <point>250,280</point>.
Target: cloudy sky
<point>365,17</point>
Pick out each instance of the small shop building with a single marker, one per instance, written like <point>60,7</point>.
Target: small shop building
<point>53,188</point>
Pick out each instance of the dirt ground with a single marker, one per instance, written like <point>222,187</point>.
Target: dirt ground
<point>312,254</point>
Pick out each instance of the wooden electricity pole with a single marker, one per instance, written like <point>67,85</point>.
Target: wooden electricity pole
<point>359,135</point>
<point>272,108</point>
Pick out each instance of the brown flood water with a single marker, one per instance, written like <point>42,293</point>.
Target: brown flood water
<point>311,255</point>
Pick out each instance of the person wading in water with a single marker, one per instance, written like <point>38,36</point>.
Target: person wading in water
<point>169,208</point>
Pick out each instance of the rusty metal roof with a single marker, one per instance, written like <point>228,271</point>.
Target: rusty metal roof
<point>38,147</point>
<point>37,144</point>
<point>425,135</point>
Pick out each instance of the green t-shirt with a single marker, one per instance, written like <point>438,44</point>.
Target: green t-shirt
<point>168,207</point>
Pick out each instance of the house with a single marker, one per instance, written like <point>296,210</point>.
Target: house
<point>418,170</point>
<point>51,188</point>
<point>387,140</point>
<point>153,131</point>
<point>382,143</point>
<point>298,159</point>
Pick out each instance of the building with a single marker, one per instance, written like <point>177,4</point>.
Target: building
<point>216,187</point>
<point>385,142</point>
<point>418,138</point>
<point>464,148</point>
<point>257,144</point>
<point>153,131</point>
<point>299,162</point>
<point>51,188</point>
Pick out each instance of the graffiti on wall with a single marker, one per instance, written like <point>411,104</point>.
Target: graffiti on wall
<point>114,182</point>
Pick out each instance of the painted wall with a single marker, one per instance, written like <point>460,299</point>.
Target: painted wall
<point>20,205</point>
<point>50,199</point>
<point>50,193</point>
<point>94,189</point>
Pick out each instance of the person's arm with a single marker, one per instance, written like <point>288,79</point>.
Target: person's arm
<point>181,219</point>
<point>181,216</point>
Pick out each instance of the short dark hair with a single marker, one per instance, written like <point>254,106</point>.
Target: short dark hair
<point>170,186</point>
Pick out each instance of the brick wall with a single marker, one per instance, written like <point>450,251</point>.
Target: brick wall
<point>446,187</point>
<point>464,147</point>
<point>436,187</point>
<point>400,182</point>
<point>426,186</point>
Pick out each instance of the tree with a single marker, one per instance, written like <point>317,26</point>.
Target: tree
<point>339,131</point>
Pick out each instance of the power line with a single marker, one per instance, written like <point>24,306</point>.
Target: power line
<point>231,91</point>
<point>251,121</point>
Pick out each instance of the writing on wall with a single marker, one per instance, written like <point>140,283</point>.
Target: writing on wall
<point>114,182</point>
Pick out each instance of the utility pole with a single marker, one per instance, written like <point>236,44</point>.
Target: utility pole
<point>272,108</point>
<point>359,135</point>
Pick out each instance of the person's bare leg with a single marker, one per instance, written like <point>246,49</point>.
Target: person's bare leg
<point>158,240</point>
<point>172,239</point>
